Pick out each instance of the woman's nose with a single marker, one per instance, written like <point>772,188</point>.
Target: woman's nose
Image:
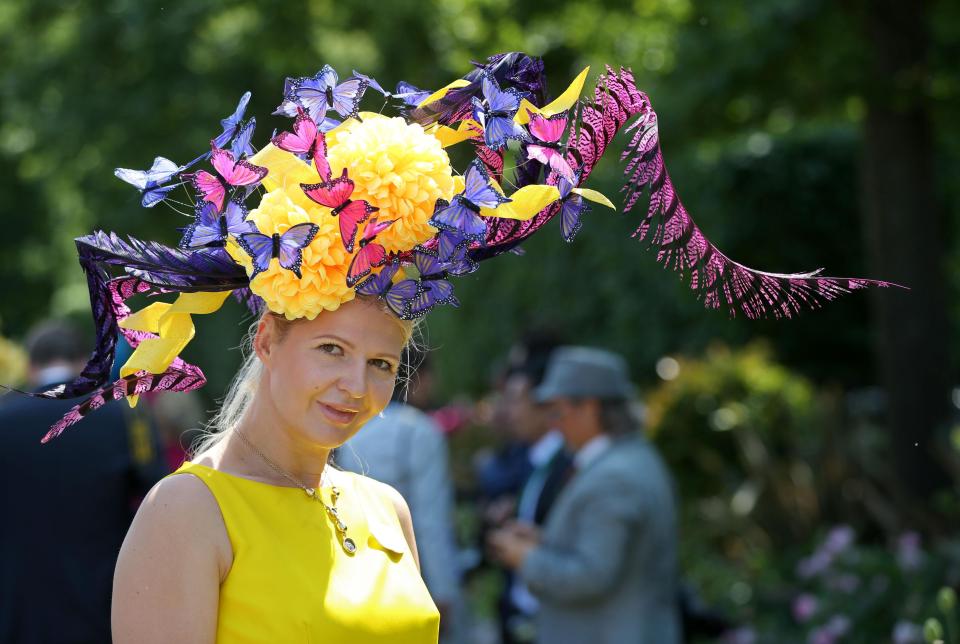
<point>353,380</point>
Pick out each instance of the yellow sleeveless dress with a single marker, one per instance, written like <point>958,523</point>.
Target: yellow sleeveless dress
<point>291,579</point>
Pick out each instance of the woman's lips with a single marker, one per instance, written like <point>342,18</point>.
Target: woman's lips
<point>338,415</point>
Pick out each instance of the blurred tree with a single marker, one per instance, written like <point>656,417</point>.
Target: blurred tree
<point>904,231</point>
<point>762,107</point>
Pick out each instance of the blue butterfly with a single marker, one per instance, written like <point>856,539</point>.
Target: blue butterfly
<point>234,128</point>
<point>462,215</point>
<point>495,113</point>
<point>240,145</point>
<point>318,93</point>
<point>151,182</point>
<point>409,94</point>
<point>434,288</point>
<point>210,228</point>
<point>453,250</point>
<point>396,295</point>
<point>288,247</point>
<point>572,208</point>
<point>371,82</point>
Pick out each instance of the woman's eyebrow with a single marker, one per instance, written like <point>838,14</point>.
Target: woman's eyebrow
<point>333,336</point>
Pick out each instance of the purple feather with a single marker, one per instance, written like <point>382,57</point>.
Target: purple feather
<point>180,376</point>
<point>107,298</point>
<point>205,269</point>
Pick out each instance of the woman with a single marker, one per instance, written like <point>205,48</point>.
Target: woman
<point>351,235</point>
<point>205,556</point>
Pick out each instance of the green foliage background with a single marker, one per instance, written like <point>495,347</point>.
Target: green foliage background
<point>759,102</point>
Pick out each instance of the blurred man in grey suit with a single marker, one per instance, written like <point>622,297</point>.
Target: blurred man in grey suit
<point>604,568</point>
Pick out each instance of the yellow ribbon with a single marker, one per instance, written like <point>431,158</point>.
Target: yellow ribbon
<point>174,326</point>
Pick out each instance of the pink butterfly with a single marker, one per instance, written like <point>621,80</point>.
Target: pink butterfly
<point>307,139</point>
<point>336,195</point>
<point>232,173</point>
<point>370,254</point>
<point>548,130</point>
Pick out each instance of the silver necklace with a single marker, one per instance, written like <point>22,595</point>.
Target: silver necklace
<point>347,543</point>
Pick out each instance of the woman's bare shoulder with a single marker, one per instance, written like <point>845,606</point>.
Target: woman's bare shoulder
<point>181,514</point>
<point>181,497</point>
<point>171,565</point>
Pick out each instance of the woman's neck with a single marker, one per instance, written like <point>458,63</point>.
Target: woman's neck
<point>268,442</point>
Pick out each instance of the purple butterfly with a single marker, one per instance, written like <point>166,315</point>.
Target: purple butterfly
<point>288,247</point>
<point>233,127</point>
<point>409,94</point>
<point>434,288</point>
<point>321,92</point>
<point>463,213</point>
<point>495,114</point>
<point>572,208</point>
<point>371,82</point>
<point>453,251</point>
<point>211,228</point>
<point>396,295</point>
<point>240,145</point>
<point>151,182</point>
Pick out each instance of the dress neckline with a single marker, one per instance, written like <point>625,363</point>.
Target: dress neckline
<point>325,486</point>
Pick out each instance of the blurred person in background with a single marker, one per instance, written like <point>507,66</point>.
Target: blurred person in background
<point>604,568</point>
<point>405,448</point>
<point>66,505</point>
<point>501,474</point>
<point>549,470</point>
<point>179,417</point>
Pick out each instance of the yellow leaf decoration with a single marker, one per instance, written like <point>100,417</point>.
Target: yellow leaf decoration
<point>286,171</point>
<point>594,196</point>
<point>524,203</point>
<point>448,136</point>
<point>440,93</point>
<point>560,104</point>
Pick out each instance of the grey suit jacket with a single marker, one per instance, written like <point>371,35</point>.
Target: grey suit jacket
<point>606,570</point>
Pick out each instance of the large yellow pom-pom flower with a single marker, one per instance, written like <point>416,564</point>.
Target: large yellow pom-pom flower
<point>324,269</point>
<point>396,167</point>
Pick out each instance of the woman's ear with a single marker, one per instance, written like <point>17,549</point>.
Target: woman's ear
<point>263,341</point>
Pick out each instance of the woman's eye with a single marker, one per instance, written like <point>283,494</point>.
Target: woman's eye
<point>330,348</point>
<point>382,365</point>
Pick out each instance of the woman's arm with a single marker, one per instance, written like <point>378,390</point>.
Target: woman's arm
<point>167,583</point>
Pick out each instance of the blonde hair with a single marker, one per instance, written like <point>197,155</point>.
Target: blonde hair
<point>243,387</point>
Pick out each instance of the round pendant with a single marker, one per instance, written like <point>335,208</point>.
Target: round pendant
<point>349,545</point>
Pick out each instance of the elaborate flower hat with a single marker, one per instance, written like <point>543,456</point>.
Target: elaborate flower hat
<point>348,202</point>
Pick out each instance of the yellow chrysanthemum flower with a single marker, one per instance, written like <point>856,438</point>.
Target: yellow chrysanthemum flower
<point>396,167</point>
<point>323,283</point>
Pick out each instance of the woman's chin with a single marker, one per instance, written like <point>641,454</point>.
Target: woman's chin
<point>330,435</point>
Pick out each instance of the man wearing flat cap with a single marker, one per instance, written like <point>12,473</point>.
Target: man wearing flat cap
<point>604,568</point>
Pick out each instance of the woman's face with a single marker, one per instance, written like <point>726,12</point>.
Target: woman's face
<point>328,376</point>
